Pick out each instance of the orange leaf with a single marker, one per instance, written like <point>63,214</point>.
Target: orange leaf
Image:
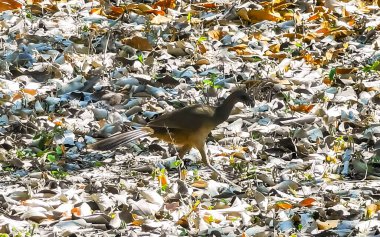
<point>30,91</point>
<point>17,96</point>
<point>284,205</point>
<point>324,31</point>
<point>117,10</point>
<point>96,11</point>
<point>76,211</point>
<point>58,123</point>
<point>262,15</point>
<point>20,94</point>
<point>314,17</point>
<point>162,179</point>
<point>164,4</point>
<point>137,222</point>
<point>9,5</point>
<point>207,5</point>
<point>307,202</point>
<point>327,81</point>
<point>302,108</point>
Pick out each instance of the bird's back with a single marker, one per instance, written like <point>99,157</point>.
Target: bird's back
<point>188,118</point>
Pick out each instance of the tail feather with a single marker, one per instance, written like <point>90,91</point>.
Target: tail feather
<point>120,139</point>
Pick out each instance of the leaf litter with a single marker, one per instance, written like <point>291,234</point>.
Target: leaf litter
<point>305,155</point>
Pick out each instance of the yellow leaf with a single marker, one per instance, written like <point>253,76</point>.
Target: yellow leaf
<point>200,184</point>
<point>371,210</point>
<point>326,225</point>
<point>202,61</point>
<point>275,48</point>
<point>215,34</point>
<point>342,70</point>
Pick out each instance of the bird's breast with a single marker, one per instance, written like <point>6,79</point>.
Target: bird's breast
<point>194,138</point>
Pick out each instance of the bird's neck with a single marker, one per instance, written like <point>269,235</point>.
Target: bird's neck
<point>224,110</point>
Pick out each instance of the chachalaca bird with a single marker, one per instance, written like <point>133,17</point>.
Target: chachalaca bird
<point>187,127</point>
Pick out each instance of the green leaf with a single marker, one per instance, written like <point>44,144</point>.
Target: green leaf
<point>140,57</point>
<point>208,82</point>
<point>372,67</point>
<point>189,17</point>
<point>98,164</point>
<point>201,39</point>
<point>332,74</point>
<point>164,187</point>
<point>59,174</point>
<point>58,150</point>
<point>52,158</point>
<point>176,164</point>
<point>256,59</point>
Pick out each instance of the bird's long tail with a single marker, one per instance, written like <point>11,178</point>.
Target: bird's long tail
<point>120,139</point>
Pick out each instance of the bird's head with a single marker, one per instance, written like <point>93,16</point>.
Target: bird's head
<point>242,96</point>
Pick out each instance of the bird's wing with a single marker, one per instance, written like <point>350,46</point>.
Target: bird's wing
<point>189,118</point>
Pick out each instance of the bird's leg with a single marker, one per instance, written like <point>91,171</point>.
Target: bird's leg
<point>181,153</point>
<point>206,161</point>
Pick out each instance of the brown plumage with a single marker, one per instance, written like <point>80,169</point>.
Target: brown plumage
<point>187,127</point>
